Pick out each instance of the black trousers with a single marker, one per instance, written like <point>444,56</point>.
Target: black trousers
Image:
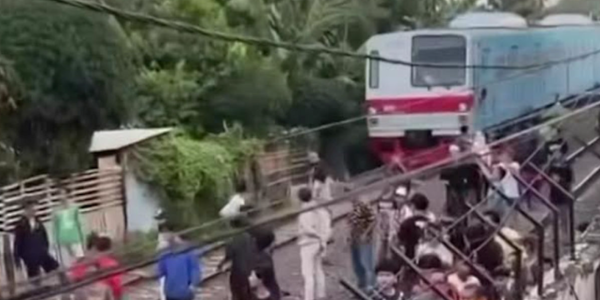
<point>240,287</point>
<point>33,265</point>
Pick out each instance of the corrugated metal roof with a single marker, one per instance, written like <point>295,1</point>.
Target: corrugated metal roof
<point>111,140</point>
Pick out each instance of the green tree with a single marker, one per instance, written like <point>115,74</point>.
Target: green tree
<point>194,176</point>
<point>585,7</point>
<point>75,69</point>
<point>525,8</point>
<point>199,83</point>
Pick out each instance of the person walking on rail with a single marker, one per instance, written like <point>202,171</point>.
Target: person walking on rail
<point>313,232</point>
<point>362,225</point>
<point>31,244</point>
<point>180,268</point>
<point>264,269</point>
<point>68,230</point>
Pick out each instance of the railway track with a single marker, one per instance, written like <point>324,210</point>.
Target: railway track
<point>142,288</point>
<point>587,165</point>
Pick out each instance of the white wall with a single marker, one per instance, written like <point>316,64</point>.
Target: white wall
<point>142,204</point>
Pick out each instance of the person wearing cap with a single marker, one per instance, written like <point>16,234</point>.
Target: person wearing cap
<point>31,244</point>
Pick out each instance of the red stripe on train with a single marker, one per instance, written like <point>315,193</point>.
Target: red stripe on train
<point>422,104</point>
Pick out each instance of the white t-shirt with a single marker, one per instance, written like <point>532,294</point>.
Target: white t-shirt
<point>313,223</point>
<point>233,206</point>
<point>438,249</point>
<point>510,185</point>
<point>322,190</point>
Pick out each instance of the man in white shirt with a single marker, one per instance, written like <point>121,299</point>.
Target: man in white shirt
<point>505,181</point>
<point>233,207</point>
<point>313,233</point>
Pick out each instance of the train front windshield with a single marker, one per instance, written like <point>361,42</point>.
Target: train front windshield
<point>440,49</point>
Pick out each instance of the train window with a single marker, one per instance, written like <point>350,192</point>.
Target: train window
<point>374,71</point>
<point>439,49</point>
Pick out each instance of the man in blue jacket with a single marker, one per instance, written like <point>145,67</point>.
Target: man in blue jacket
<point>180,268</point>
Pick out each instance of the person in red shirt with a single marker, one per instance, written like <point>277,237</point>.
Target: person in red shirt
<point>98,259</point>
<point>104,261</point>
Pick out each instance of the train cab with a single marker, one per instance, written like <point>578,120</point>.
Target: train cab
<point>417,107</point>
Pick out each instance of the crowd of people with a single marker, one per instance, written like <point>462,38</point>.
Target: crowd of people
<point>453,258</point>
<point>457,258</point>
<point>78,253</point>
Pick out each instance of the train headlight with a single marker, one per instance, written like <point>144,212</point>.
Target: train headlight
<point>372,111</point>
<point>462,107</point>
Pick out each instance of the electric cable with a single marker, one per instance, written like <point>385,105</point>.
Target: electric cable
<point>217,35</point>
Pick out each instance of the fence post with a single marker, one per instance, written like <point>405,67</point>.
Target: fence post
<point>6,248</point>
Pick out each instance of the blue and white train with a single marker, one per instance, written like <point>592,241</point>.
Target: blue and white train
<point>418,111</point>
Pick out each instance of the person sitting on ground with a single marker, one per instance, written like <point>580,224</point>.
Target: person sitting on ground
<point>489,253</point>
<point>514,236</point>
<point>462,280</point>
<point>439,280</point>
<point>411,232</point>
<point>386,287</point>
<point>235,203</point>
<point>431,267</point>
<point>433,245</point>
<point>420,205</point>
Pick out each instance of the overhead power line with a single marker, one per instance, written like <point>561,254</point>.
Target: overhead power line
<point>228,37</point>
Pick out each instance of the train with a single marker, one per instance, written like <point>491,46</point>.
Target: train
<point>416,110</point>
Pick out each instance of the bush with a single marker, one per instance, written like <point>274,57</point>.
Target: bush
<point>194,176</point>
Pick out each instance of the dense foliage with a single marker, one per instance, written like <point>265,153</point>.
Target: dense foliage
<point>74,69</point>
<point>194,175</point>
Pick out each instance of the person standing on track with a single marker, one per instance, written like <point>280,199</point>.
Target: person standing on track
<point>31,244</point>
<point>321,188</point>
<point>313,233</point>
<point>180,267</point>
<point>362,225</point>
<point>68,230</point>
<point>241,251</point>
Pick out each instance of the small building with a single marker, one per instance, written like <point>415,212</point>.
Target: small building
<point>111,148</point>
